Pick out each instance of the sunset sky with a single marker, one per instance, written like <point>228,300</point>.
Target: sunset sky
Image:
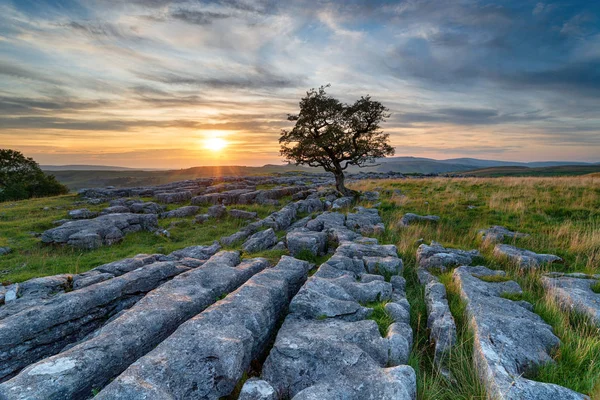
<point>151,83</point>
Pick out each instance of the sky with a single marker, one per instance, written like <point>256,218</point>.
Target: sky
<point>149,83</point>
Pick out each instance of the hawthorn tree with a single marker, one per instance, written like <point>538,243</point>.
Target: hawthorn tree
<point>22,178</point>
<point>334,135</point>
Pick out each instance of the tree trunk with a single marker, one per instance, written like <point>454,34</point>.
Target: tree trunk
<point>339,183</point>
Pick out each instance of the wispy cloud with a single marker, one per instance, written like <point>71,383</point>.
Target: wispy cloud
<point>514,79</point>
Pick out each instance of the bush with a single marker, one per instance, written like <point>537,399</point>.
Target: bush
<point>22,178</point>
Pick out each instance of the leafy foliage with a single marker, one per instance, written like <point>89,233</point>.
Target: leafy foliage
<point>334,135</point>
<point>22,178</point>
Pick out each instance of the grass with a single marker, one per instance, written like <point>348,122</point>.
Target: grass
<point>562,216</point>
<point>494,278</point>
<point>30,258</point>
<point>380,316</point>
<point>595,287</point>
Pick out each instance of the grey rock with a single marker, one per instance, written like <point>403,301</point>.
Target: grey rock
<point>574,292</point>
<point>257,389</point>
<point>115,210</point>
<point>198,252</point>
<point>11,293</point>
<point>384,265</point>
<point>365,221</point>
<point>146,208</point>
<point>410,219</point>
<point>509,339</point>
<point>82,213</point>
<point>241,214</point>
<point>175,197</point>
<point>162,232</point>
<point>439,257</point>
<point>442,328</point>
<point>91,364</point>
<point>310,206</point>
<point>279,246</point>
<point>181,212</point>
<point>497,234</point>
<point>342,202</point>
<point>262,240</point>
<point>333,359</point>
<point>207,355</point>
<point>100,231</point>
<point>370,196</point>
<point>5,250</point>
<point>237,237</point>
<point>217,211</point>
<point>313,242</point>
<point>283,218</point>
<point>43,330</point>
<point>524,258</point>
<point>202,218</point>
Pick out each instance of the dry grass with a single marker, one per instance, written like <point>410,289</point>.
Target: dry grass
<point>562,216</point>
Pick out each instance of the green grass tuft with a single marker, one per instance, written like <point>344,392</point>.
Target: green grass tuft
<point>494,278</point>
<point>380,316</point>
<point>595,287</point>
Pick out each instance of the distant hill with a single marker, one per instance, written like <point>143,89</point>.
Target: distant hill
<point>87,176</point>
<point>561,170</point>
<point>78,179</point>
<point>82,167</point>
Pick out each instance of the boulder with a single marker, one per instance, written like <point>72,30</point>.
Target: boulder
<point>260,241</point>
<point>257,389</point>
<point>510,340</point>
<point>365,221</point>
<point>217,211</point>
<point>207,355</point>
<point>314,243</point>
<point>241,214</point>
<point>82,213</point>
<point>100,231</point>
<point>115,210</point>
<point>181,212</point>
<point>44,330</point>
<point>497,234</point>
<point>410,219</point>
<point>524,258</point>
<point>146,208</point>
<point>574,292</point>
<point>5,250</point>
<point>342,202</point>
<point>436,256</point>
<point>94,362</point>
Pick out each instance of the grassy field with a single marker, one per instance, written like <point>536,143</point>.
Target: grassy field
<point>562,215</point>
<point>511,171</point>
<point>21,220</point>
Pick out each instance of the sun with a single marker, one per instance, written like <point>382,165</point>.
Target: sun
<point>215,144</point>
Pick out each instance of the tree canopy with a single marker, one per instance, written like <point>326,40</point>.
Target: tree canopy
<point>335,135</point>
<point>22,178</point>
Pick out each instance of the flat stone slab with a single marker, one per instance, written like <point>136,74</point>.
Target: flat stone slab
<point>181,212</point>
<point>314,243</point>
<point>206,356</point>
<point>100,231</point>
<point>328,349</point>
<point>524,258</point>
<point>509,339</point>
<point>574,292</point>
<point>365,221</point>
<point>436,256</point>
<point>410,219</point>
<point>94,362</point>
<point>262,240</point>
<point>44,330</point>
<point>497,234</point>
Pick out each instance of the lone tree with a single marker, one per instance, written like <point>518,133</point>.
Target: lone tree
<point>334,135</point>
<point>22,178</point>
